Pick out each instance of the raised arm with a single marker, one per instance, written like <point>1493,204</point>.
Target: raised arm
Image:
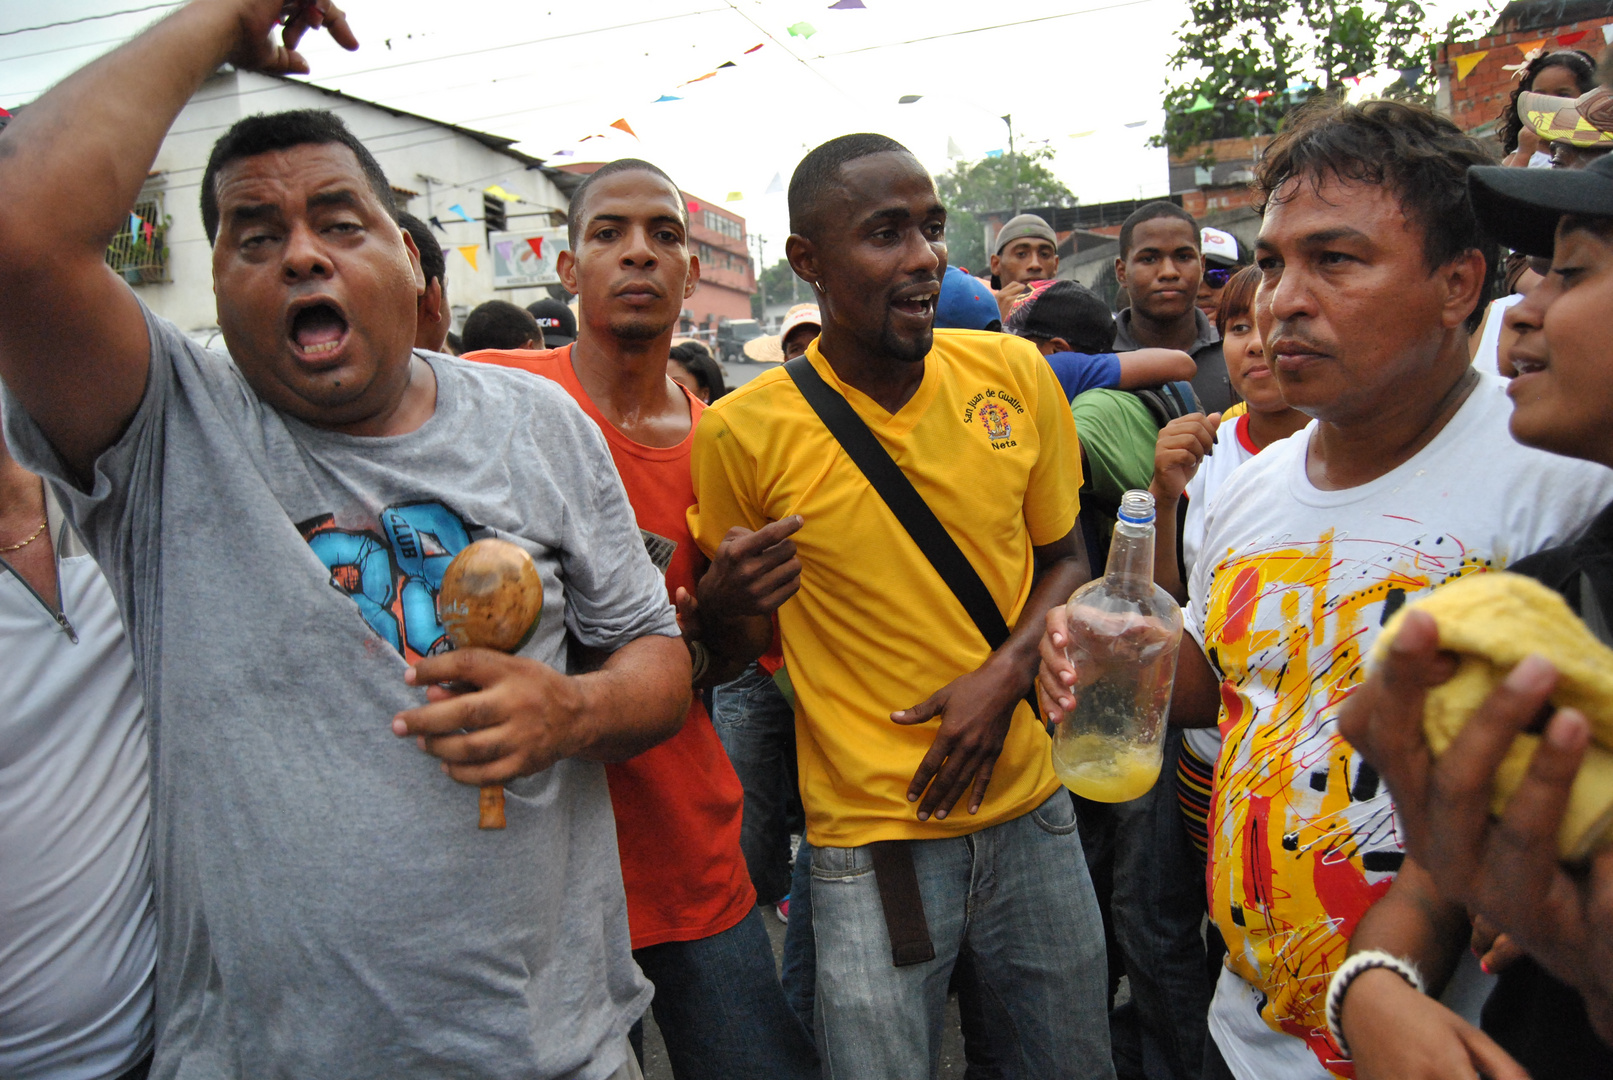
<point>73,344</point>
<point>1153,367</point>
<point>1181,447</point>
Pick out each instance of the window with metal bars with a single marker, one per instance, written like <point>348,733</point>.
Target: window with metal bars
<point>139,250</point>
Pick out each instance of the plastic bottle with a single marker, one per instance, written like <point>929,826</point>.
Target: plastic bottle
<point>1124,630</point>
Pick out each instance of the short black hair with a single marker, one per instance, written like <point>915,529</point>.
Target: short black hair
<point>820,170</point>
<point>499,324</point>
<point>1159,208</point>
<point>268,132</point>
<point>1419,156</point>
<point>574,218</point>
<point>432,263</point>
<point>698,362</point>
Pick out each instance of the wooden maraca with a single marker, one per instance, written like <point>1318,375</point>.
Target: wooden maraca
<point>490,598</point>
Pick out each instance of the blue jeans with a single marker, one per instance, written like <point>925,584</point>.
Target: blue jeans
<point>800,975</point>
<point>1157,910</point>
<point>757,729</point>
<point>721,1011</point>
<point>1018,897</point>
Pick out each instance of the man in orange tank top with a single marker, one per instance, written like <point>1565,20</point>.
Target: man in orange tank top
<point>691,908</point>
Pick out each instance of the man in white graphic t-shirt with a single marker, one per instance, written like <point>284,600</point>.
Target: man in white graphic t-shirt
<point>1372,268</point>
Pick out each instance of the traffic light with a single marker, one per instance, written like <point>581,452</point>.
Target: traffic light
<point>493,213</point>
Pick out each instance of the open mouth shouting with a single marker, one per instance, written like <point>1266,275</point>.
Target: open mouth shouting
<point>918,302</point>
<point>317,330</point>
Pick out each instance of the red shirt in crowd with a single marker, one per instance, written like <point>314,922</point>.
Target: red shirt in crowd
<point>678,804</point>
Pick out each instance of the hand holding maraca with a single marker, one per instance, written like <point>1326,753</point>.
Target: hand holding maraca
<point>491,717</point>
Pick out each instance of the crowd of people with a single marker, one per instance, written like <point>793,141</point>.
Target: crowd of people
<point>802,641</point>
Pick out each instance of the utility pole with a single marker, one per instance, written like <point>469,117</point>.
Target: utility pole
<point>761,267</point>
<point>1009,120</point>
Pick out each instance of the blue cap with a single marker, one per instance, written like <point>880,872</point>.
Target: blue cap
<point>966,304</point>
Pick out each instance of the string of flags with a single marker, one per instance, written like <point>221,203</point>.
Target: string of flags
<point>801,29</point>
<point>1467,62</point>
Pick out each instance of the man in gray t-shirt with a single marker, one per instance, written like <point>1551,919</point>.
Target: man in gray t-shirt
<point>275,529</point>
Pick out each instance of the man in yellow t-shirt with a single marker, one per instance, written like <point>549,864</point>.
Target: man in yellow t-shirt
<point>910,728</point>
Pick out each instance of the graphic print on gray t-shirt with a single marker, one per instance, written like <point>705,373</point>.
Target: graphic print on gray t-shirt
<point>327,905</point>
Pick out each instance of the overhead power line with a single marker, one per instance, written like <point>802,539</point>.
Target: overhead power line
<point>89,18</point>
<point>984,29</point>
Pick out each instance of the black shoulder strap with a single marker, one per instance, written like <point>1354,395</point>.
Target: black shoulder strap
<point>903,499</point>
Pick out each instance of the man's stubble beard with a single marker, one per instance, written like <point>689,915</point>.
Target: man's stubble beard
<point>639,330</point>
<point>909,352</point>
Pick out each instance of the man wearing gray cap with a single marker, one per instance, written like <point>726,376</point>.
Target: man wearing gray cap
<point>1027,251</point>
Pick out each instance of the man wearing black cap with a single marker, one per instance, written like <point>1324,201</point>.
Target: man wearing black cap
<point>1552,1007</point>
<point>558,323</point>
<point>1027,251</point>
<point>1075,330</point>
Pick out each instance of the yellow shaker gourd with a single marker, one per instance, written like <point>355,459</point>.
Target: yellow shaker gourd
<point>1492,621</point>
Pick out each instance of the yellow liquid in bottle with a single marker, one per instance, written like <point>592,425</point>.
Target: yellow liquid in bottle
<point>1106,770</point>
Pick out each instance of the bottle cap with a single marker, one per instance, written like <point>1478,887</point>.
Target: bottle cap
<point>1137,508</point>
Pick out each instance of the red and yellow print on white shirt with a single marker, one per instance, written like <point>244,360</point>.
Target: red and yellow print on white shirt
<point>1303,837</point>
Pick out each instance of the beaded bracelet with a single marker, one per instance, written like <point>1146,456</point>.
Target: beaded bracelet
<point>1351,969</point>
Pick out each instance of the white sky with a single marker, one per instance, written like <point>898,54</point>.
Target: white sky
<point>550,72</point>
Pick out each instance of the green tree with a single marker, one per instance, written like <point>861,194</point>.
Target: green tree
<point>1245,63</point>
<point>972,188</point>
<point>778,282</point>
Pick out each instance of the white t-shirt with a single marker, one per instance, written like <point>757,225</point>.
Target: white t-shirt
<point>77,934</point>
<point>1232,448</point>
<point>1290,590</point>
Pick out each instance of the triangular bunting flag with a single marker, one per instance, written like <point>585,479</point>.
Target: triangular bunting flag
<point>1200,103</point>
<point>1571,39</point>
<point>536,244</point>
<point>735,196</point>
<point>994,153</point>
<point>505,248</point>
<point>460,210</point>
<point>753,48</point>
<point>701,78</point>
<point>469,252</point>
<point>1137,123</point>
<point>665,97</point>
<point>1527,47</point>
<point>436,223</point>
<point>622,125</point>
<point>1607,34</point>
<point>1412,75</point>
<point>847,5</point>
<point>134,225</point>
<point>802,30</point>
<point>507,196</point>
<point>953,150</point>
<point>726,64</point>
<point>776,186</point>
<point>1466,64</point>
<point>694,207</point>
<point>1083,134</point>
<point>145,227</point>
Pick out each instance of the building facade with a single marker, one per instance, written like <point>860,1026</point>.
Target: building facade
<point>1474,92</point>
<point>433,167</point>
<point>727,276</point>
